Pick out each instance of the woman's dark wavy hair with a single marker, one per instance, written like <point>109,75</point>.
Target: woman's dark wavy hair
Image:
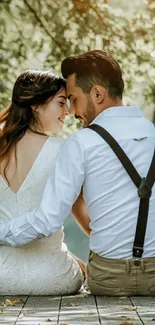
<point>32,88</point>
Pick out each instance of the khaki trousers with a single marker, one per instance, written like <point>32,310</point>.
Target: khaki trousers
<point>117,277</point>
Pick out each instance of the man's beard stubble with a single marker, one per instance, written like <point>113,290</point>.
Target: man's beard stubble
<point>88,115</point>
<point>90,111</point>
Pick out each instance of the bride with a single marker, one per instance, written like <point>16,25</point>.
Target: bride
<point>27,156</point>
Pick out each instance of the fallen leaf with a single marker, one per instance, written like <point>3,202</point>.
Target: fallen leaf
<point>1,310</point>
<point>17,301</point>
<point>22,314</point>
<point>48,320</point>
<point>126,323</point>
<point>131,308</point>
<point>91,313</point>
<point>70,305</point>
<point>8,302</point>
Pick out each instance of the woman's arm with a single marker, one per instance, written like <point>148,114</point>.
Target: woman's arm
<point>80,214</point>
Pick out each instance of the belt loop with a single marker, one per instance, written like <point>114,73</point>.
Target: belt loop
<point>90,256</point>
<point>142,265</point>
<point>128,266</point>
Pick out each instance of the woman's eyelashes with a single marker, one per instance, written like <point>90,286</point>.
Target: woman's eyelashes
<point>62,104</point>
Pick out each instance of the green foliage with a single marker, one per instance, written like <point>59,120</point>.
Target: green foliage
<point>40,33</point>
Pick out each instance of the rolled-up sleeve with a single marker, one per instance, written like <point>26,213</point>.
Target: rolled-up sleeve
<point>61,191</point>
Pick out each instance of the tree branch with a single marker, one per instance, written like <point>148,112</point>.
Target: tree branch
<point>39,20</point>
<point>107,26</point>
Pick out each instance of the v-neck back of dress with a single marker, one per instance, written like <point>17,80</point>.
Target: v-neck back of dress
<point>25,180</point>
<point>30,192</point>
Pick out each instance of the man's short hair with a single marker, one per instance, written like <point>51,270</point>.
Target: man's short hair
<point>95,67</point>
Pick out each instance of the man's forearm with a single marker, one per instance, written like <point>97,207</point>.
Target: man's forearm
<point>21,231</point>
<point>61,191</point>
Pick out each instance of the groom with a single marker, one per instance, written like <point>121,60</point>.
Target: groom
<point>120,261</point>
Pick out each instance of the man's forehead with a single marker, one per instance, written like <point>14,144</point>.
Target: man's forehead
<point>71,86</point>
<point>71,81</point>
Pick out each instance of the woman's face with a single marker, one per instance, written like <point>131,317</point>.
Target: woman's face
<point>52,114</point>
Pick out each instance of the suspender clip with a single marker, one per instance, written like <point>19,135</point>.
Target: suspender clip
<point>144,190</point>
<point>137,251</point>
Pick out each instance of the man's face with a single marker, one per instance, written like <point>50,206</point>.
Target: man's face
<point>81,104</point>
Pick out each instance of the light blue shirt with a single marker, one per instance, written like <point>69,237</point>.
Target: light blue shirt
<point>111,197</point>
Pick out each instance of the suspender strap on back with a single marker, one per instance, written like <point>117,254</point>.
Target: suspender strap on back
<point>144,186</point>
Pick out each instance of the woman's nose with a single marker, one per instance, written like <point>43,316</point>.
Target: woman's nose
<point>66,110</point>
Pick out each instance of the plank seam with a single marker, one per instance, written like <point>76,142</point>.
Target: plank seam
<point>21,310</point>
<point>136,310</point>
<point>99,318</point>
<point>59,310</point>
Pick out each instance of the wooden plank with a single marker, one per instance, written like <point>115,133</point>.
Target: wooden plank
<point>79,309</point>
<point>116,311</point>
<point>10,313</point>
<point>145,308</point>
<point>40,310</point>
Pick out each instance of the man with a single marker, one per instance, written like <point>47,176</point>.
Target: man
<point>95,87</point>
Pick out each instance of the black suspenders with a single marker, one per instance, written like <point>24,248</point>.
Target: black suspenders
<point>144,186</point>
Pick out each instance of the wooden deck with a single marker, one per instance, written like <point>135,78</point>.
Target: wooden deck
<point>78,309</point>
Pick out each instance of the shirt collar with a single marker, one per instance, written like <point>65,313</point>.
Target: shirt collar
<point>119,111</point>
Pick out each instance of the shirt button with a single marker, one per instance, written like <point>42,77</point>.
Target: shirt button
<point>136,262</point>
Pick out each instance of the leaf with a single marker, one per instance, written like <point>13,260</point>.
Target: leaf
<point>17,301</point>
<point>70,305</point>
<point>48,320</point>
<point>91,313</point>
<point>24,313</point>
<point>8,302</point>
<point>131,308</point>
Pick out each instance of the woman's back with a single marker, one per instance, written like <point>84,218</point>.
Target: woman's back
<point>35,159</point>
<point>41,266</point>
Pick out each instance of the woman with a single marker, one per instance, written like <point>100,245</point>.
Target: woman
<point>27,156</point>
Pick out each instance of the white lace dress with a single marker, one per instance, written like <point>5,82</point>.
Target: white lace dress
<point>44,266</point>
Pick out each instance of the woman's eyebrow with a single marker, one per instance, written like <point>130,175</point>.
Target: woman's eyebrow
<point>62,97</point>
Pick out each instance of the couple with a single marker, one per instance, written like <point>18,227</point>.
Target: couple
<point>85,167</point>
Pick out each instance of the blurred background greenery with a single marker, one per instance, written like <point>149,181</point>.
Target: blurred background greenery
<point>40,33</point>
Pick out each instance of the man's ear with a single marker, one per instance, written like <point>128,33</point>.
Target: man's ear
<point>98,94</point>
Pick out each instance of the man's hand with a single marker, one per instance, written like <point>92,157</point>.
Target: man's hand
<point>82,266</point>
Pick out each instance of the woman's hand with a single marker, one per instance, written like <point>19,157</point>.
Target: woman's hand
<point>82,266</point>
